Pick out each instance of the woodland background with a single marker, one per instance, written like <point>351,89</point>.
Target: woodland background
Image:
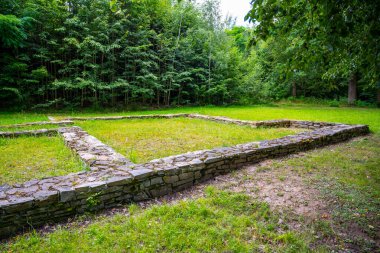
<point>102,53</point>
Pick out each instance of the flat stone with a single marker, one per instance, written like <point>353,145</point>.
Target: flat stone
<point>156,180</point>
<point>2,195</point>
<point>17,204</point>
<point>88,186</point>
<point>66,194</point>
<point>140,174</point>
<point>115,181</point>
<point>46,197</point>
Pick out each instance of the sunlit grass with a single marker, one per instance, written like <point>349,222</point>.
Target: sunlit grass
<point>143,140</point>
<point>369,116</point>
<point>27,158</point>
<point>20,117</point>
<point>220,222</point>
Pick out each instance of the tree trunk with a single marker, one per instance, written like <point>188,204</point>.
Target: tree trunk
<point>352,96</point>
<point>294,89</point>
<point>378,96</point>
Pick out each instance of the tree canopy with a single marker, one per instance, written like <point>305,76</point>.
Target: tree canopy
<point>100,53</point>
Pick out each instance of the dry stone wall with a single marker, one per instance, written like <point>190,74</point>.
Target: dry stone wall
<point>113,180</point>
<point>40,123</point>
<point>39,132</point>
<point>93,152</point>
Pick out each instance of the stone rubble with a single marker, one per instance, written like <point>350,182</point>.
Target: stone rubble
<point>113,179</point>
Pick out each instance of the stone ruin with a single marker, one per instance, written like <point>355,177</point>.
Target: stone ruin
<point>112,179</point>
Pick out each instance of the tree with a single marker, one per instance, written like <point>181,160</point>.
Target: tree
<point>339,37</point>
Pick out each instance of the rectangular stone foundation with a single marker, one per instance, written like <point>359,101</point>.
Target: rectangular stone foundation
<point>115,180</point>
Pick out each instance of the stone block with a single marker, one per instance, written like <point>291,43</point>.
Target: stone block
<point>140,174</point>
<point>66,194</point>
<point>171,179</point>
<point>156,180</point>
<point>118,180</point>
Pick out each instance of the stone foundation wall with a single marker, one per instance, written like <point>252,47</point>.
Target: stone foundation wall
<point>39,132</point>
<point>40,123</point>
<point>116,180</point>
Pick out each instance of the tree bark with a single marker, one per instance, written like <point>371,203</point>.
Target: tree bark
<point>378,96</point>
<point>352,96</point>
<point>294,89</point>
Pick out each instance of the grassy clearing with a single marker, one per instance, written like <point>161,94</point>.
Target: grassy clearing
<point>143,140</point>
<point>356,164</point>
<point>209,224</point>
<point>369,116</point>
<point>17,118</point>
<point>27,158</point>
<point>346,175</point>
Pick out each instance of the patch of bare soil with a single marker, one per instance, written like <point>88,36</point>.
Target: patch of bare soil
<point>282,191</point>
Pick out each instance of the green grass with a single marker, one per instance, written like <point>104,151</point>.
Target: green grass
<point>143,140</point>
<point>369,116</point>
<point>348,177</point>
<point>27,158</point>
<point>17,118</point>
<point>209,224</point>
<point>356,164</point>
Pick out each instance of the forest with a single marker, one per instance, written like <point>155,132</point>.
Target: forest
<point>121,53</point>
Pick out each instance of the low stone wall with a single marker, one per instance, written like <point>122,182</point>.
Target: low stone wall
<point>93,152</point>
<point>39,132</point>
<point>40,123</point>
<point>266,123</point>
<point>150,116</point>
<point>37,202</point>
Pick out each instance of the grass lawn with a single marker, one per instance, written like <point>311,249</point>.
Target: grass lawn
<point>27,158</point>
<point>346,176</point>
<point>209,224</point>
<point>142,140</point>
<point>369,116</point>
<point>18,118</point>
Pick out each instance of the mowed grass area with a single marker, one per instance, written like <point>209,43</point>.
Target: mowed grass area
<point>7,118</point>
<point>347,177</point>
<point>369,116</point>
<point>219,222</point>
<point>27,158</point>
<point>142,140</point>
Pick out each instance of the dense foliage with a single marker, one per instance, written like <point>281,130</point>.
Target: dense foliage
<point>86,52</point>
<point>317,48</point>
<point>57,53</point>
